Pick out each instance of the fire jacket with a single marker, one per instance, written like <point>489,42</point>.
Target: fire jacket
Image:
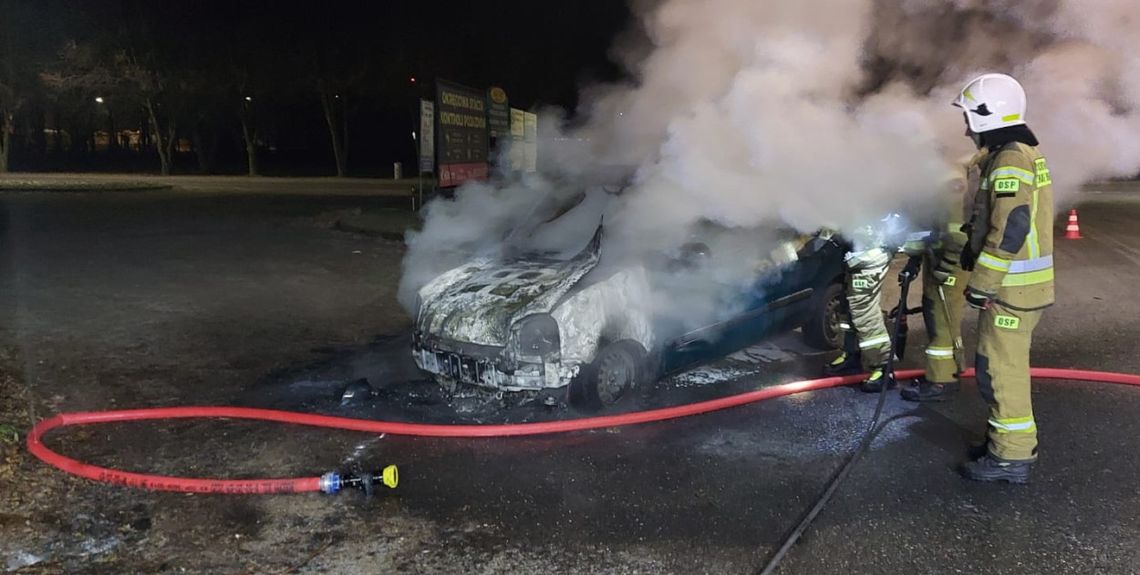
<point>1011,230</point>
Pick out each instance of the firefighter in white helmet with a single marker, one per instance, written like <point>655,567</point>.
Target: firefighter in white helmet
<point>1010,251</point>
<point>866,339</point>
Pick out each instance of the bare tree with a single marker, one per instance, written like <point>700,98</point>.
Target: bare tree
<point>100,66</point>
<point>249,89</point>
<point>161,92</point>
<point>204,134</point>
<point>8,105</point>
<point>339,59</point>
<point>252,70</point>
<point>13,85</point>
<point>79,74</point>
<point>249,135</point>
<point>9,102</point>
<point>335,106</point>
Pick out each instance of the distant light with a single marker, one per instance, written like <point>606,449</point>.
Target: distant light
<point>248,99</point>
<point>98,99</point>
<point>337,96</point>
<point>412,79</point>
<point>621,113</point>
<point>413,134</point>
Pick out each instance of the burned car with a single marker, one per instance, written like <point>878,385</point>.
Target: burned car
<point>532,322</point>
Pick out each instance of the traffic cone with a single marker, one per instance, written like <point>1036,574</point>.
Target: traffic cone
<point>1073,231</point>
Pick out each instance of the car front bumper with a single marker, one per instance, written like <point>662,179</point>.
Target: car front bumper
<point>487,366</point>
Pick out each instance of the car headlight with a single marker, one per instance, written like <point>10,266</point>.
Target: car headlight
<point>538,335</point>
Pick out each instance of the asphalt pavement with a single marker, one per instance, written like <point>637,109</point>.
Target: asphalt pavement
<point>180,297</point>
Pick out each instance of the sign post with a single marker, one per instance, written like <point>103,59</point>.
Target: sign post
<point>530,136</point>
<point>518,137</point>
<point>427,136</point>
<point>426,144</point>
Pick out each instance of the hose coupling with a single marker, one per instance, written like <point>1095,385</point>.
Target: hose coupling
<point>333,482</point>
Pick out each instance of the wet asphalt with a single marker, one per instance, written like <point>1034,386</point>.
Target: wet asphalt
<point>718,493</point>
<point>709,494</point>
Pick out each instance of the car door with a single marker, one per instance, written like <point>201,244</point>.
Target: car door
<point>780,300</point>
<point>772,300</point>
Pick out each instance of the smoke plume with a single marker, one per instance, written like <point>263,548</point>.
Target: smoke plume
<point>803,114</point>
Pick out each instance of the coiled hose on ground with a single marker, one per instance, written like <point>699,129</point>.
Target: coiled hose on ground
<point>292,485</point>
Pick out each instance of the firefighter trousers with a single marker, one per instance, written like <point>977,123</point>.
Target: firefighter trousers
<point>1002,362</point>
<point>943,321</point>
<point>864,288</point>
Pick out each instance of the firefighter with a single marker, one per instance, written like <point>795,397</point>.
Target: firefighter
<point>943,280</point>
<point>1010,251</point>
<point>866,342</point>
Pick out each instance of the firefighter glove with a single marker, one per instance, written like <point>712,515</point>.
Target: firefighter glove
<point>967,259</point>
<point>911,270</point>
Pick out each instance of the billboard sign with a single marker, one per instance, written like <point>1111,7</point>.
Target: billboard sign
<point>461,122</point>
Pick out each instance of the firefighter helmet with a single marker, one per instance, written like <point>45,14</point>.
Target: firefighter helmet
<point>992,101</point>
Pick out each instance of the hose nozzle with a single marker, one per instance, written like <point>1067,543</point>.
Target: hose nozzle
<point>333,482</point>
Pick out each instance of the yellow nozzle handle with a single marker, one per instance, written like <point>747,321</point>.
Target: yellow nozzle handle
<point>391,476</point>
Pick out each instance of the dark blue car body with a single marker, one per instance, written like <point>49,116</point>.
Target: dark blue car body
<point>801,294</point>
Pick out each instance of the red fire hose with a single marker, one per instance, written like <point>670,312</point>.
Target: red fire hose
<point>192,485</point>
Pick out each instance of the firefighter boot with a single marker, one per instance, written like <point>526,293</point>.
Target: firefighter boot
<point>991,468</point>
<point>921,390</point>
<point>878,378</point>
<point>845,364</point>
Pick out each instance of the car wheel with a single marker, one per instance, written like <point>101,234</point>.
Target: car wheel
<point>822,329</point>
<point>613,378</point>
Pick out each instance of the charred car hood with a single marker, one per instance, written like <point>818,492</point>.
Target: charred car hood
<point>479,302</point>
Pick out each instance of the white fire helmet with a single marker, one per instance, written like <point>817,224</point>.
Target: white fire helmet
<point>992,101</point>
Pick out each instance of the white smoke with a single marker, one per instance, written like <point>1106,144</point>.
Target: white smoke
<point>809,114</point>
<point>1079,61</point>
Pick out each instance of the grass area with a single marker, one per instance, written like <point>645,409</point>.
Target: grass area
<point>9,433</point>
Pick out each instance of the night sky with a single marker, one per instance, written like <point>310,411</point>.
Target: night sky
<point>273,51</point>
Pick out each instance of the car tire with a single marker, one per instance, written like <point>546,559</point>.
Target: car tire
<point>615,377</point>
<point>822,328</point>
